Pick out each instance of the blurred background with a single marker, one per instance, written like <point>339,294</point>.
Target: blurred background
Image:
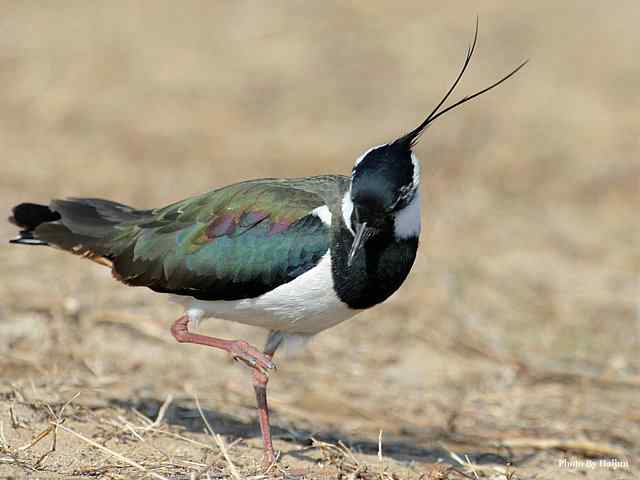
<point>521,318</point>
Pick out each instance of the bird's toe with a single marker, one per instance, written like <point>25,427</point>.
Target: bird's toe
<point>252,357</point>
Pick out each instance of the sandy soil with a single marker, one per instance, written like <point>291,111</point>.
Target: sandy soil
<point>510,353</point>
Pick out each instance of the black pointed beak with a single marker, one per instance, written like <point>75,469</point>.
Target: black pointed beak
<point>362,235</point>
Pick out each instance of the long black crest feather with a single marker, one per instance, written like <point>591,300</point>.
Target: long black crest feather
<point>411,138</point>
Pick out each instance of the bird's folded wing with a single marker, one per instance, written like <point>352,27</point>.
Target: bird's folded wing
<point>236,242</point>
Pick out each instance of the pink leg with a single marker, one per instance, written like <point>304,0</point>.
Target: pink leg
<point>240,350</point>
<point>260,386</point>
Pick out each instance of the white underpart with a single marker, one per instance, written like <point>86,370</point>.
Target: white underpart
<point>323,213</point>
<point>406,222</point>
<point>304,306</point>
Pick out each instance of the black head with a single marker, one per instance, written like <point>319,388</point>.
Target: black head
<point>386,178</point>
<point>383,181</point>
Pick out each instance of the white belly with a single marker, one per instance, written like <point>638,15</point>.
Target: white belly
<point>306,305</point>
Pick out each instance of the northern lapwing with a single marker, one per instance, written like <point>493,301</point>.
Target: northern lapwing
<point>294,256</point>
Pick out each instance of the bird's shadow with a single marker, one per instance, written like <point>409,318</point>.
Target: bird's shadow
<point>404,447</point>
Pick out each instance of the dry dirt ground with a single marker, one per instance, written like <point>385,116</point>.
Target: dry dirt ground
<point>510,353</point>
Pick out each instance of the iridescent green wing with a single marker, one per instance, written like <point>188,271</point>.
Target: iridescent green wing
<point>237,242</point>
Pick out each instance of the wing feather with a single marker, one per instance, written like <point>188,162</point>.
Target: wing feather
<point>237,242</point>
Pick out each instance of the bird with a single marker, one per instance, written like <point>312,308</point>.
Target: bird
<point>293,256</point>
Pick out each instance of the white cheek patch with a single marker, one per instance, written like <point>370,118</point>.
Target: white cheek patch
<point>406,222</point>
<point>416,170</point>
<point>347,210</point>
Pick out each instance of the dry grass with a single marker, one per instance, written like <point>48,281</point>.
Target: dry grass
<point>512,351</point>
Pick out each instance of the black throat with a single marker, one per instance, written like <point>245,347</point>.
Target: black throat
<point>377,271</point>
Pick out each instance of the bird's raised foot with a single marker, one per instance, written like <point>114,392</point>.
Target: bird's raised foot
<point>252,357</point>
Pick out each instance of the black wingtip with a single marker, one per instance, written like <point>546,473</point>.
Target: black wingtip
<point>30,215</point>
